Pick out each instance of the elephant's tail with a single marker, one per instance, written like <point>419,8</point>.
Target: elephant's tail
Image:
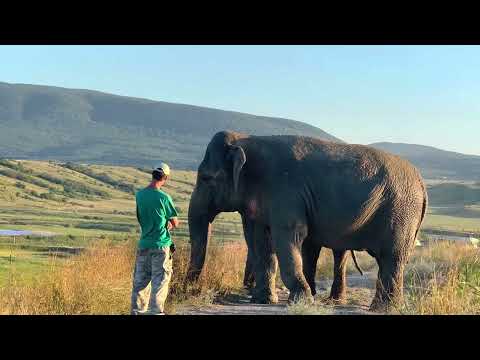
<point>356,264</point>
<point>424,208</point>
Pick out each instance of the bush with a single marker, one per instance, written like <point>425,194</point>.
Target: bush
<point>22,177</point>
<point>48,196</point>
<point>106,226</point>
<point>20,185</point>
<point>15,166</point>
<point>119,185</point>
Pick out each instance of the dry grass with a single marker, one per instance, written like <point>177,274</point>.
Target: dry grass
<point>99,282</point>
<point>222,274</point>
<point>443,279</point>
<point>96,282</point>
<point>439,279</point>
<point>303,308</point>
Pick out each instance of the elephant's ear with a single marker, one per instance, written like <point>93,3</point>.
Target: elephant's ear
<point>238,159</point>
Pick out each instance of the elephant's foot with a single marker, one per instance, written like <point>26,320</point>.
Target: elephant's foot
<point>300,295</point>
<point>384,305</point>
<point>335,300</point>
<point>379,306</point>
<point>338,296</point>
<point>264,298</point>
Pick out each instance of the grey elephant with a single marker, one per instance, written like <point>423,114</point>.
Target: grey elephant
<point>302,194</point>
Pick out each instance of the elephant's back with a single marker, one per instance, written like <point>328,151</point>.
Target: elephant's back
<point>346,164</point>
<point>304,149</point>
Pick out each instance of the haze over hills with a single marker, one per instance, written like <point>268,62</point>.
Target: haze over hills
<point>46,122</point>
<point>436,163</point>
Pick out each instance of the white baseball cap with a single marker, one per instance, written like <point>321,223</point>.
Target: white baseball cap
<point>162,167</point>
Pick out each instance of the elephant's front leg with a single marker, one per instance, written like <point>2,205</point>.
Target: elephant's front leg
<point>249,277</point>
<point>265,266</point>
<point>248,228</point>
<point>288,242</point>
<point>338,291</point>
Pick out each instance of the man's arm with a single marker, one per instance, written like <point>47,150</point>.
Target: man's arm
<point>172,214</point>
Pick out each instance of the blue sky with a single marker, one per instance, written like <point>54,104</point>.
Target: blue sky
<point>426,95</point>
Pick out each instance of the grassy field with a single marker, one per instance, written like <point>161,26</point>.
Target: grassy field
<point>25,265</point>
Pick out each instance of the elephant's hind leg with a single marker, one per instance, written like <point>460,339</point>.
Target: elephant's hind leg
<point>249,278</point>
<point>310,254</point>
<point>338,290</point>
<point>389,288</point>
<point>391,263</point>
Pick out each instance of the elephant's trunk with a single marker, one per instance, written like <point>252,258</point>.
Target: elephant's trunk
<point>199,228</point>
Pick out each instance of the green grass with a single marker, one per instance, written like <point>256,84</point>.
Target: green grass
<point>451,222</point>
<point>24,265</point>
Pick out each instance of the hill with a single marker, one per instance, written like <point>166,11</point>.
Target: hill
<point>53,123</point>
<point>436,163</point>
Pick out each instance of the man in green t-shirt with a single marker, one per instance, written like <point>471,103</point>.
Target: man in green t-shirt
<point>157,215</point>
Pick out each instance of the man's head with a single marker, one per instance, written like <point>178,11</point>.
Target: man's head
<point>160,174</point>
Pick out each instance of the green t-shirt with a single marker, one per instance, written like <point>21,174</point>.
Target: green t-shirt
<point>154,209</point>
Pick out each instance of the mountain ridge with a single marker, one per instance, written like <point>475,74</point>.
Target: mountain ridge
<point>56,123</point>
<point>435,163</point>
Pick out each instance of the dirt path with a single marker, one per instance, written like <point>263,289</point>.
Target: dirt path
<point>359,295</point>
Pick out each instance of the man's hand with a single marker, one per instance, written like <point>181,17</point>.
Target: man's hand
<point>173,223</point>
<point>169,226</point>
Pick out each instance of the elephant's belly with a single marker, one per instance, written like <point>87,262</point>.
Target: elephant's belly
<point>339,236</point>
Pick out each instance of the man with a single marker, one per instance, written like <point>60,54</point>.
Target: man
<point>157,215</point>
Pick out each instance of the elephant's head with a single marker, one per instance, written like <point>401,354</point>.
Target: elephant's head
<point>216,190</point>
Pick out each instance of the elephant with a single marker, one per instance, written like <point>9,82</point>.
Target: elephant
<point>307,193</point>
